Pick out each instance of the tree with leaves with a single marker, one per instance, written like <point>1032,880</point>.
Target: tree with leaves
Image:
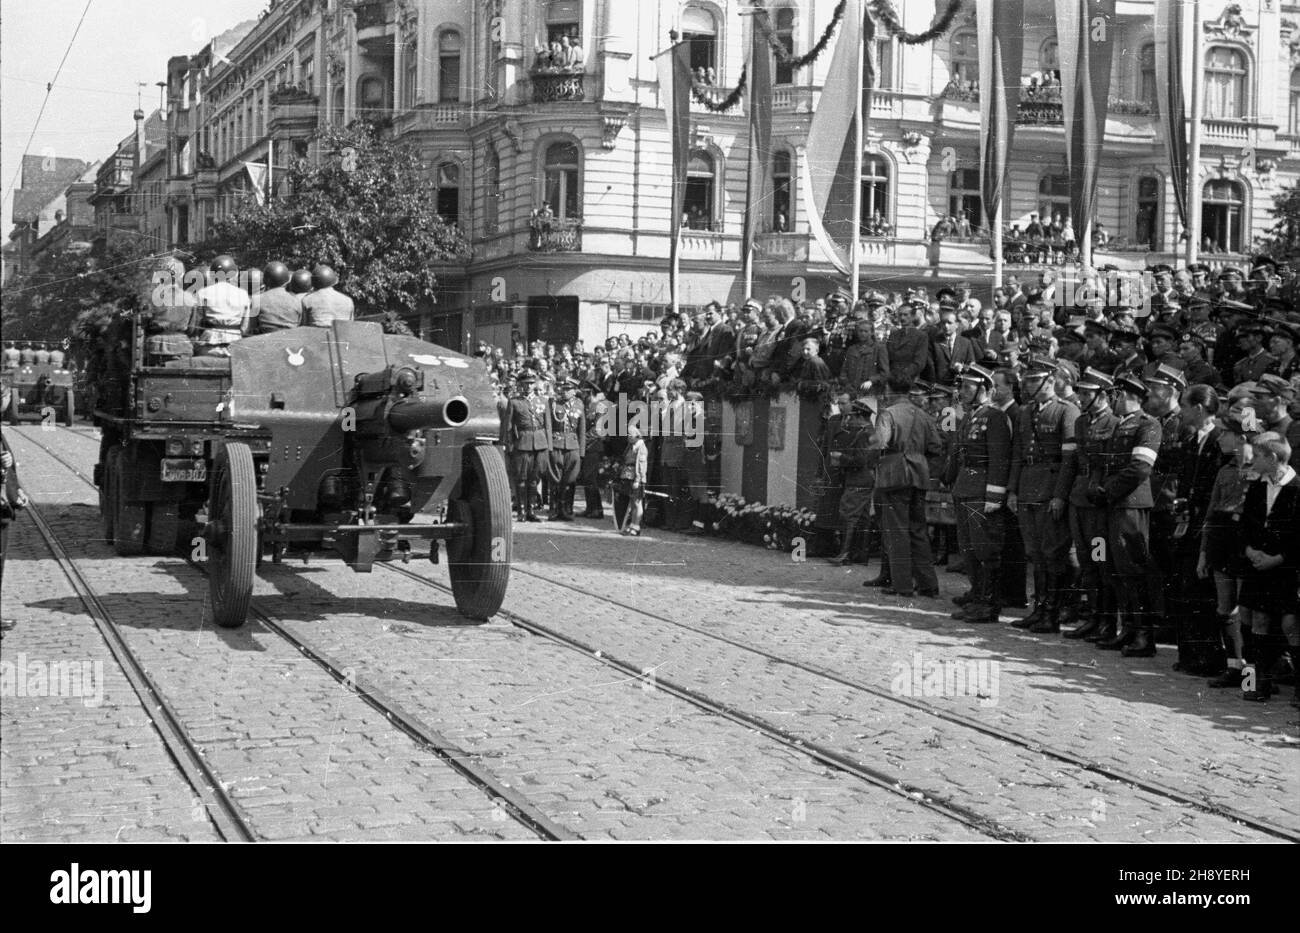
<point>1283,240</point>
<point>368,209</point>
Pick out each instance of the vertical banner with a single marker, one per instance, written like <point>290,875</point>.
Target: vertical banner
<point>828,182</point>
<point>1173,77</point>
<point>760,128</point>
<point>675,92</point>
<point>1086,34</point>
<point>1000,28</point>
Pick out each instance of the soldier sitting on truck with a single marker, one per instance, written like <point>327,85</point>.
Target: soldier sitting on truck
<point>225,309</point>
<point>171,318</point>
<point>280,308</point>
<point>324,306</point>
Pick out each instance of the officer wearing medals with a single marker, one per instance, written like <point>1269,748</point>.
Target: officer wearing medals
<point>1122,486</point>
<point>1042,471</point>
<point>568,428</point>
<point>1165,385</point>
<point>530,443</point>
<point>978,468</point>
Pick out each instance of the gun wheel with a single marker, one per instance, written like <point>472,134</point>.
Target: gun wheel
<point>232,535</point>
<point>478,561</point>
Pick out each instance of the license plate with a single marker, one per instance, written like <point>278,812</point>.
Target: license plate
<point>184,471</point>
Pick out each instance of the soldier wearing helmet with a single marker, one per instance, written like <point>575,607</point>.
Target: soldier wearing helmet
<point>280,308</point>
<point>224,308</point>
<point>300,282</point>
<point>325,305</point>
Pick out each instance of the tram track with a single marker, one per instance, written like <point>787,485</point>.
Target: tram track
<point>231,822</point>
<point>967,722</point>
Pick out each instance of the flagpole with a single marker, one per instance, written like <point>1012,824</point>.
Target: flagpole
<point>748,260</point>
<point>270,167</point>
<point>997,244</point>
<point>1194,146</point>
<point>855,258</point>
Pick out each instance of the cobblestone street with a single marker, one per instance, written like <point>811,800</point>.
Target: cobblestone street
<point>1052,741</point>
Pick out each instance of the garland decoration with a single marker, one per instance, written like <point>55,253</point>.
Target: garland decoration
<point>783,55</point>
<point>727,102</point>
<point>888,16</point>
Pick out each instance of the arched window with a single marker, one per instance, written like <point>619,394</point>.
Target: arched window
<point>1053,197</point>
<point>1147,231</point>
<point>491,191</point>
<point>449,66</point>
<point>701,191</point>
<point>875,193</point>
<point>1223,204</point>
<point>700,29</point>
<point>1293,113</point>
<point>560,173</point>
<point>963,59</point>
<point>372,96</point>
<point>410,74</point>
<point>563,19</point>
<point>784,73</point>
<point>336,111</point>
<point>782,220</point>
<point>1049,58</point>
<point>449,192</point>
<point>1225,83</point>
<point>964,196</point>
<point>1146,86</point>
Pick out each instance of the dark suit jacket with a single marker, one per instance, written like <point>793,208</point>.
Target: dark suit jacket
<point>941,360</point>
<point>909,353</point>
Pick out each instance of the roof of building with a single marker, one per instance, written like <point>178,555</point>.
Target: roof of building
<point>44,179</point>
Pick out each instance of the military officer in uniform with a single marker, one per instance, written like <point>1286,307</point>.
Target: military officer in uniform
<point>593,454</point>
<point>280,308</point>
<point>1042,471</point>
<point>325,305</point>
<point>1165,385</point>
<point>1124,488</point>
<point>1131,360</point>
<point>855,461</point>
<point>1092,430</point>
<point>530,442</point>
<point>1254,360</point>
<point>568,427</point>
<point>978,469</point>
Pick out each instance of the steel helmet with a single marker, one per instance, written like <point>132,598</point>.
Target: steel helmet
<point>275,274</point>
<point>224,266</point>
<point>300,282</point>
<point>323,277</point>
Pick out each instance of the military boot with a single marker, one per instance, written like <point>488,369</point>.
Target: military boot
<point>1036,614</point>
<point>1128,630</point>
<point>1088,615</point>
<point>1143,644</point>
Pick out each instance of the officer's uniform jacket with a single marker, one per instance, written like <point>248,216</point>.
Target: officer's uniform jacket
<point>529,429</point>
<point>1199,372</point>
<point>857,457</point>
<point>325,306</point>
<point>1042,452</point>
<point>1252,367</point>
<point>979,466</point>
<point>1127,462</point>
<point>865,362</point>
<point>278,309</point>
<point>1093,431</point>
<point>1133,363</point>
<point>1166,471</point>
<point>568,424</point>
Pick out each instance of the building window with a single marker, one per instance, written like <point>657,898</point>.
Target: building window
<point>563,19</point>
<point>883,62</point>
<point>449,192</point>
<point>1223,203</point>
<point>449,66</point>
<point>371,93</point>
<point>1147,231</point>
<point>875,194</point>
<point>1146,88</point>
<point>1225,83</point>
<point>701,189</point>
<point>491,192</point>
<point>963,60</point>
<point>307,74</point>
<point>1053,198</point>
<point>410,74</point>
<point>700,31</point>
<point>560,180</point>
<point>784,73</point>
<point>1049,59</point>
<point>781,178</point>
<point>336,112</point>
<point>1293,114</point>
<point>964,197</point>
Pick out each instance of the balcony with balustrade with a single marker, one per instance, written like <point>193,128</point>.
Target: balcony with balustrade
<point>424,118</point>
<point>558,86</point>
<point>555,235</point>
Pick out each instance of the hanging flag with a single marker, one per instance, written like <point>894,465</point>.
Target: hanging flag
<point>760,126</point>
<point>257,174</point>
<point>827,180</point>
<point>1086,34</point>
<point>675,93</point>
<point>1000,33</point>
<point>1173,80</point>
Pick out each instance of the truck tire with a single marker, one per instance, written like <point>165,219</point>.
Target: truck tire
<point>232,537</point>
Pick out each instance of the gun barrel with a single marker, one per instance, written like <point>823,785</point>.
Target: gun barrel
<point>416,414</point>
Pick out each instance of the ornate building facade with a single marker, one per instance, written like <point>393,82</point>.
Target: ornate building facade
<point>551,109</point>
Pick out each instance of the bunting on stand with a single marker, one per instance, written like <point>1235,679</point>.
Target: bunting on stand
<point>674,67</point>
<point>760,141</point>
<point>1173,78</point>
<point>999,27</point>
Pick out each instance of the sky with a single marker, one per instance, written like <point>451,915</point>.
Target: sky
<point>121,43</point>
